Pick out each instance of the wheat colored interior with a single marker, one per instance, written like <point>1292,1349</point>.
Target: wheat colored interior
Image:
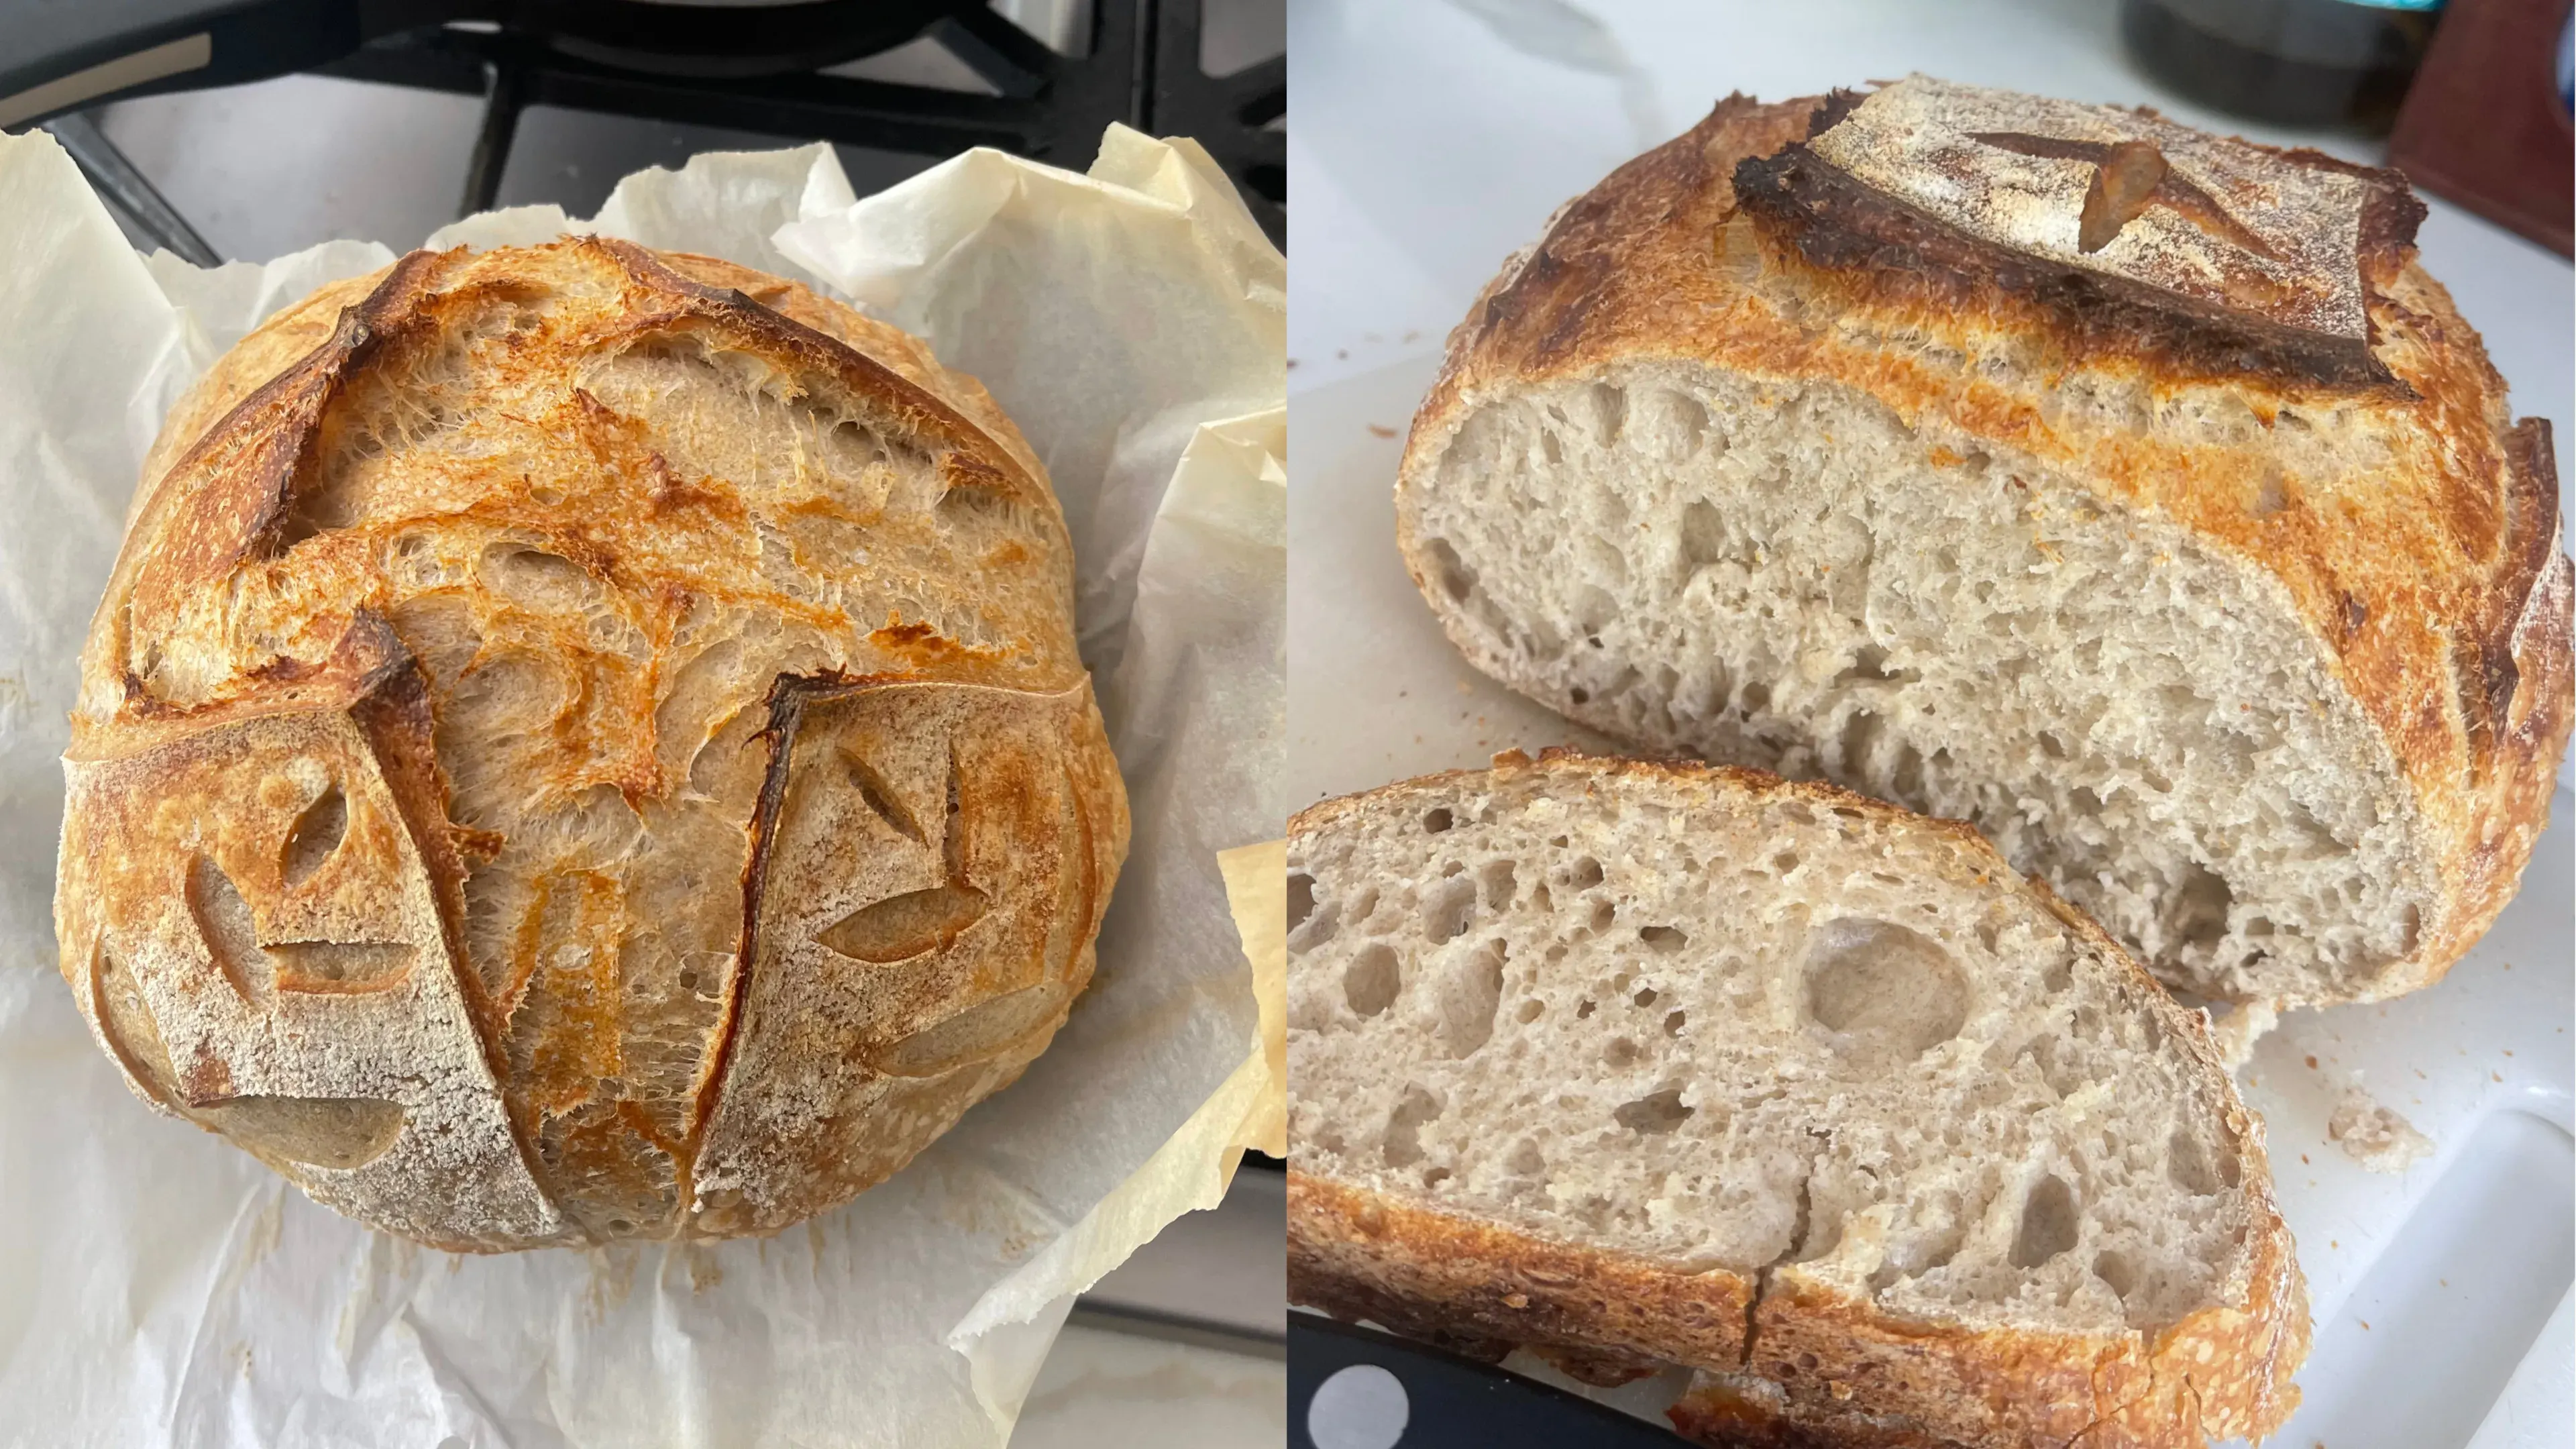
<point>1961,633</point>
<point>1736,1035</point>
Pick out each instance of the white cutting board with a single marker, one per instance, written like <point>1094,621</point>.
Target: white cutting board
<point>2429,1289</point>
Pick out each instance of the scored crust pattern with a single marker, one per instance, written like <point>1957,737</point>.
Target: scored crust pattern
<point>512,658</point>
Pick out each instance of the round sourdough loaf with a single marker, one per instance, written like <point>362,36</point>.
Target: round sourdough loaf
<point>2126,491</point>
<point>584,743</point>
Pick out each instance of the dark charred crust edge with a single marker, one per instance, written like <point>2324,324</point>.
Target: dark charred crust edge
<point>1840,225</point>
<point>788,696</point>
<point>2485,664</point>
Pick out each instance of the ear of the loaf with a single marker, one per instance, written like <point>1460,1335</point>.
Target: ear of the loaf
<point>930,868</point>
<point>264,954</point>
<point>2131,228</point>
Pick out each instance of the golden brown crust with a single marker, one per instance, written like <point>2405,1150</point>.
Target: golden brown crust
<point>1481,1289</point>
<point>1801,1363</point>
<point>2432,582</point>
<point>2229,258</point>
<point>527,538</point>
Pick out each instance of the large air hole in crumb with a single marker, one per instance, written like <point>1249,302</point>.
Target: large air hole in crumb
<point>1882,988</point>
<point>2195,1168</point>
<point>1447,908</point>
<point>1402,1144</point>
<point>2048,1223</point>
<point>1664,939</point>
<point>1585,875</point>
<point>2115,1270</point>
<point>2196,912</point>
<point>1370,982</point>
<point>1437,820</point>
<point>536,579</point>
<point>1655,1114</point>
<point>1469,993</point>
<point>1860,737</point>
<point>1450,571</point>
<point>1301,898</point>
<point>1501,882</point>
<point>1609,411</point>
<point>1703,536</point>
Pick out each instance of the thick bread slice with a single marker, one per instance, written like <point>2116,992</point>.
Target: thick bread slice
<point>1639,1063</point>
<point>584,743</point>
<point>2246,627</point>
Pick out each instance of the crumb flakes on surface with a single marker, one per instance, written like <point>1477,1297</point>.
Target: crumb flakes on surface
<point>2372,1135</point>
<point>2236,1033</point>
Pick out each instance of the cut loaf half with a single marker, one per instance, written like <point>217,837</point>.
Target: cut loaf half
<point>1638,1063</point>
<point>1814,440</point>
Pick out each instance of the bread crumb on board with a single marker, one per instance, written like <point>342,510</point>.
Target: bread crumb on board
<point>2374,1136</point>
<point>2236,1033</point>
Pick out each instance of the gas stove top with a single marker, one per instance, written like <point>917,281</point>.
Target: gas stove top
<point>506,101</point>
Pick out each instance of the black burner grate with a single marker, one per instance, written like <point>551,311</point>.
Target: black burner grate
<point>742,68</point>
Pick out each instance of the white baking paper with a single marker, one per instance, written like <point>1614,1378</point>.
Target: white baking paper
<point>159,1287</point>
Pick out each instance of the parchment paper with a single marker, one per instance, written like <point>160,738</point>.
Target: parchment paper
<point>159,1286</point>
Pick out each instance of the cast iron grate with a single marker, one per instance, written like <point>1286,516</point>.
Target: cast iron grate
<point>749,68</point>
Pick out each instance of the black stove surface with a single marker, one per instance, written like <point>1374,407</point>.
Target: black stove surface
<point>565,96</point>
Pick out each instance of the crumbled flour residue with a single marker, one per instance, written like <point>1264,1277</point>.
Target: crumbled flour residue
<point>2374,1136</point>
<point>2236,1033</point>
